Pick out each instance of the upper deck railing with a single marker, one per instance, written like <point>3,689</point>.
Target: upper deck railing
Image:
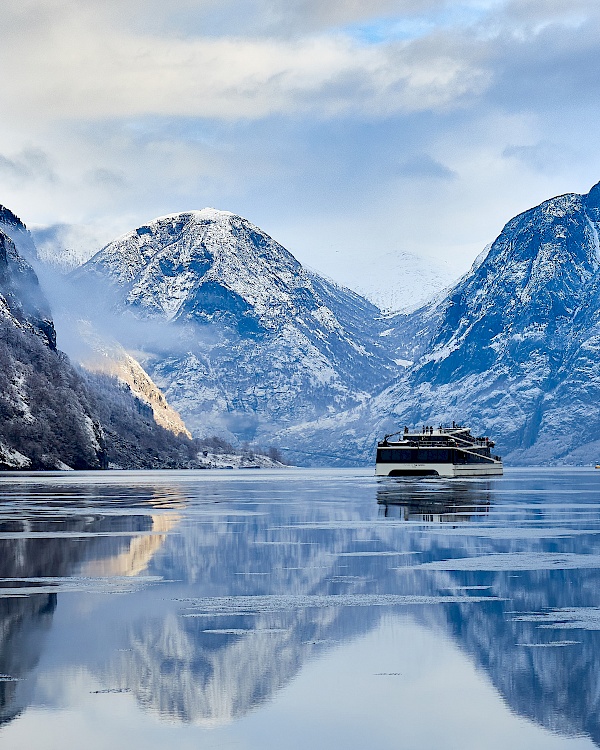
<point>431,437</point>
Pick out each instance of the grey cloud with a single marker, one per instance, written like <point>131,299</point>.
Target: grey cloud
<point>106,178</point>
<point>12,168</point>
<point>211,17</point>
<point>310,15</point>
<point>534,12</point>
<point>554,70</point>
<point>277,16</point>
<point>38,163</point>
<point>28,165</point>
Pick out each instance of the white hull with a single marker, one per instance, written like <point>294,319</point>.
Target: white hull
<point>443,470</point>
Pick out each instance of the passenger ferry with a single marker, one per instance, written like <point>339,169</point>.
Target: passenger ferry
<point>440,452</point>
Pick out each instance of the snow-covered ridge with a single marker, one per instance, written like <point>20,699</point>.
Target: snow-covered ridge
<point>163,262</point>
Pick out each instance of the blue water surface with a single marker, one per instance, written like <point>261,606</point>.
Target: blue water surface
<point>299,608</point>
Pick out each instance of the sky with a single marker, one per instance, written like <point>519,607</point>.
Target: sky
<point>354,132</point>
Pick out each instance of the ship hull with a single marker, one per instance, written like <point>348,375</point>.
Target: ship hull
<point>440,470</point>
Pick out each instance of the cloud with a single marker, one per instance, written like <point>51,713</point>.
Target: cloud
<point>29,164</point>
<point>210,18</point>
<point>133,58</point>
<point>556,69</point>
<point>341,128</point>
<point>109,75</point>
<point>108,178</point>
<point>543,156</point>
<point>534,15</point>
<point>424,166</point>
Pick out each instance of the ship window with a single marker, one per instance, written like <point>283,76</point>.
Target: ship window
<point>408,455</point>
<point>432,455</point>
<point>395,456</point>
<point>473,458</point>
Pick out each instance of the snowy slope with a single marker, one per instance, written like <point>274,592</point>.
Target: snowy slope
<point>253,341</point>
<point>513,348</point>
<point>63,247</point>
<point>405,281</point>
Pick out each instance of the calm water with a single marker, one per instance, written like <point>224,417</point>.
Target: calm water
<point>299,609</point>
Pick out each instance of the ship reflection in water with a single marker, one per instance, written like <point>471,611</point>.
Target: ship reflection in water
<point>288,609</point>
<point>433,501</point>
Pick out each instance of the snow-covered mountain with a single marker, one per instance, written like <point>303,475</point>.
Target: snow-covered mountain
<point>400,280</point>
<point>244,339</point>
<point>514,348</point>
<point>54,416</point>
<point>249,345</point>
<point>63,247</point>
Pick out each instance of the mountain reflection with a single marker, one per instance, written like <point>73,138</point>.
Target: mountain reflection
<point>550,675</point>
<point>23,623</point>
<point>246,583</point>
<point>49,543</point>
<point>211,667</point>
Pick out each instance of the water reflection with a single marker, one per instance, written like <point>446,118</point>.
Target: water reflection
<point>48,547</point>
<point>433,501</point>
<point>203,599</point>
<point>546,670</point>
<point>23,623</point>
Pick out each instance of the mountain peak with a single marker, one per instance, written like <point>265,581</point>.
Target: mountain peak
<point>261,336</point>
<point>8,218</point>
<point>205,214</point>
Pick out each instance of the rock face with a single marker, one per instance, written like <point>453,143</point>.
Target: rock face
<point>513,348</point>
<point>55,417</point>
<point>22,298</point>
<point>251,341</point>
<point>46,420</point>
<point>15,229</point>
<point>108,357</point>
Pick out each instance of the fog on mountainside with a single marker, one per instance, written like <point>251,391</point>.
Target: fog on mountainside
<point>241,338</point>
<point>63,247</point>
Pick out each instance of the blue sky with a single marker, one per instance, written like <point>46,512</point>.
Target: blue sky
<point>349,131</point>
